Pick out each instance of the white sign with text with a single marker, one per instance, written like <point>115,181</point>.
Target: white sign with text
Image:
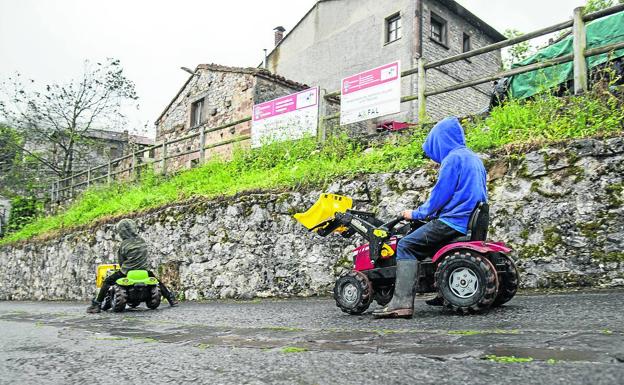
<point>286,118</point>
<point>370,94</point>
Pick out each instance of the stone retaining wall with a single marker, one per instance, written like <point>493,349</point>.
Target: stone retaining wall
<point>560,208</point>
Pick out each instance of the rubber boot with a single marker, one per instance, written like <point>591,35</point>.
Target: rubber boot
<point>94,308</point>
<point>402,303</point>
<point>170,297</point>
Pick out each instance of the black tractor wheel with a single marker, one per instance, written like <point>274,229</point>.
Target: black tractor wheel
<point>383,294</point>
<point>154,300</point>
<point>468,282</point>
<point>353,292</point>
<point>120,298</point>
<point>509,281</point>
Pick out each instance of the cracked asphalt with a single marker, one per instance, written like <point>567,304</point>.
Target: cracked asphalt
<point>573,338</point>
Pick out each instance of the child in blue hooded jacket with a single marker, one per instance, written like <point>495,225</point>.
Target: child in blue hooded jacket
<point>461,185</point>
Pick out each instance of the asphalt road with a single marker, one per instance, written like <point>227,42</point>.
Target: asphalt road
<point>572,338</point>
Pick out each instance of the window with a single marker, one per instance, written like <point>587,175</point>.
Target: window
<point>115,152</point>
<point>438,29</point>
<point>393,28</point>
<point>197,109</point>
<point>466,46</point>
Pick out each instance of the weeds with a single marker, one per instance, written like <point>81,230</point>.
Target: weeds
<point>508,359</point>
<point>293,349</point>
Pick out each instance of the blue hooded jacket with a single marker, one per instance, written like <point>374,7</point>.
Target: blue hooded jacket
<point>461,180</point>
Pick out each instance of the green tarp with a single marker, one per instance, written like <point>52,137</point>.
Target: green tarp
<point>599,33</point>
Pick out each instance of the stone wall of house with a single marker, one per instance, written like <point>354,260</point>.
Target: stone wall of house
<point>228,96</point>
<point>468,100</point>
<point>560,208</point>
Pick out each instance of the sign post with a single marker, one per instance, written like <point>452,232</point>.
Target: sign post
<point>286,118</point>
<point>370,94</point>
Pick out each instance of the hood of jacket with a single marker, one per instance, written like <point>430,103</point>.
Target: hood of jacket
<point>127,228</point>
<point>446,136</point>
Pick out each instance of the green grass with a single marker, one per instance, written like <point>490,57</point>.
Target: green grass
<point>284,329</point>
<point>111,338</point>
<point>476,332</point>
<point>301,164</point>
<point>508,359</point>
<point>293,349</point>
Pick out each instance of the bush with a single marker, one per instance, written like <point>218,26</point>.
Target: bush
<point>23,212</point>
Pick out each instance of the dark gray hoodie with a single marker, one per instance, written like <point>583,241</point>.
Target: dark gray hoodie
<point>132,252</point>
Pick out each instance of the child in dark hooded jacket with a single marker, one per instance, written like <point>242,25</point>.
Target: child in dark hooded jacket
<point>461,185</point>
<point>132,255</point>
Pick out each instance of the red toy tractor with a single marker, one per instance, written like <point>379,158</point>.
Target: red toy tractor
<point>469,273</point>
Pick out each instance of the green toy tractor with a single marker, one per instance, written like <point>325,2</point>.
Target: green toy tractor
<point>136,287</point>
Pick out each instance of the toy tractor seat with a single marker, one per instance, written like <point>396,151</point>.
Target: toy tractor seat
<point>477,225</point>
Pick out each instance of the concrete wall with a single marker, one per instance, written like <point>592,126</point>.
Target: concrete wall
<point>560,209</point>
<point>468,100</point>
<point>340,38</point>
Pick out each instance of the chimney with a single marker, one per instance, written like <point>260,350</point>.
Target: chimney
<point>279,34</point>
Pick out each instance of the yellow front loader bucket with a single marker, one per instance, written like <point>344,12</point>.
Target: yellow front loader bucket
<point>325,208</point>
<point>103,271</point>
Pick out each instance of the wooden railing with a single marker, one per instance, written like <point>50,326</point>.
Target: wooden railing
<point>66,188</point>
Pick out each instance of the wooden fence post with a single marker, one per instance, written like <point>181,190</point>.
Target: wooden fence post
<point>71,186</point>
<point>133,172</point>
<point>163,159</point>
<point>322,112</point>
<point>88,177</point>
<point>52,192</point>
<point>422,83</point>
<point>202,144</point>
<point>579,42</point>
<point>108,173</point>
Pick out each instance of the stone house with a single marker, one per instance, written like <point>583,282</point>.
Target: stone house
<point>213,96</point>
<point>94,148</point>
<point>110,145</point>
<point>338,38</point>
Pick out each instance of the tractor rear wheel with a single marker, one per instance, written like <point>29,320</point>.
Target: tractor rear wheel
<point>353,292</point>
<point>468,282</point>
<point>508,283</point>
<point>120,298</point>
<point>154,300</point>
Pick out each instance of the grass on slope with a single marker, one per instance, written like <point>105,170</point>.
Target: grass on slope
<point>300,163</point>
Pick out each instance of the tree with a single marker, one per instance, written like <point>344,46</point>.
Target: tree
<point>517,52</point>
<point>597,5</point>
<point>55,121</point>
<point>10,144</point>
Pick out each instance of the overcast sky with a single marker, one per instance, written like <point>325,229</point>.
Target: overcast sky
<point>49,40</point>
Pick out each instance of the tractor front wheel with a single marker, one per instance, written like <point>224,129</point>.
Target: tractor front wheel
<point>468,282</point>
<point>353,292</point>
